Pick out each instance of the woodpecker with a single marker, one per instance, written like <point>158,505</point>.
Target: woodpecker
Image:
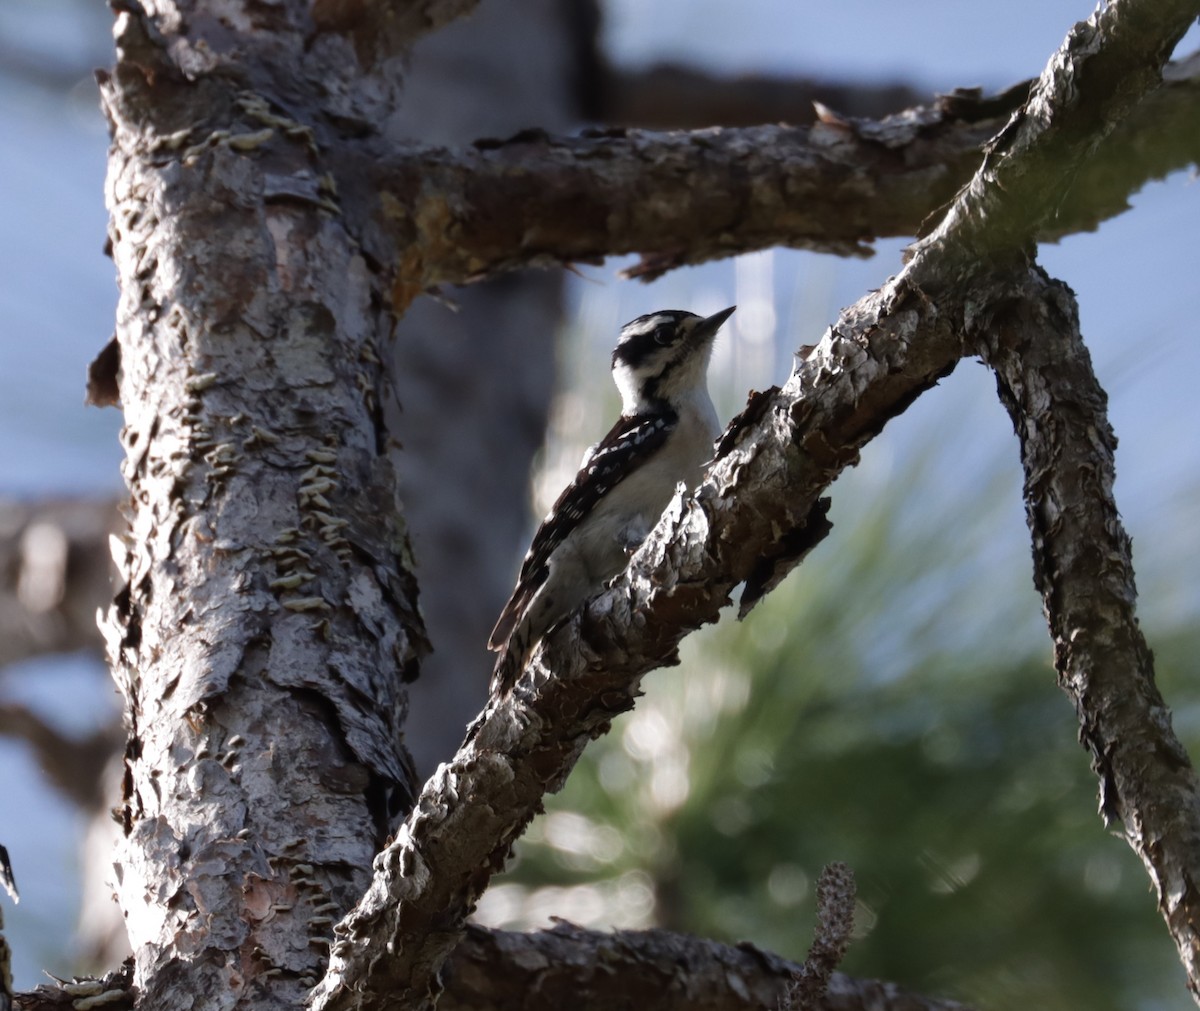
<point>664,436</point>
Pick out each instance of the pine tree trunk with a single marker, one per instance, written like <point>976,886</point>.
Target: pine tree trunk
<point>268,619</point>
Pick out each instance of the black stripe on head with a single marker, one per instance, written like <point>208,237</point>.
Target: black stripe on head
<point>641,337</point>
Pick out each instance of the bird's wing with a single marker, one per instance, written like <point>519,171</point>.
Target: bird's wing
<point>629,443</point>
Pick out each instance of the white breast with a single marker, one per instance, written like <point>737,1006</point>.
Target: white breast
<point>621,520</point>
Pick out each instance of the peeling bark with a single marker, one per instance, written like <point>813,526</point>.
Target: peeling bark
<point>268,617</point>
<point>571,967</point>
<point>1083,567</point>
<point>684,198</point>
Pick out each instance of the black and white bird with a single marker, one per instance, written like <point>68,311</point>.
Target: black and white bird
<point>664,435</point>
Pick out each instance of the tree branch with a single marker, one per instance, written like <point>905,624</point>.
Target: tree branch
<point>74,765</point>
<point>763,487</point>
<point>568,966</point>
<point>1160,138</point>
<point>54,575</point>
<point>547,970</point>
<point>1104,68</point>
<point>1083,568</point>
<point>680,198</point>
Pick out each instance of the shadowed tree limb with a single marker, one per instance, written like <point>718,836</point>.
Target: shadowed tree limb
<point>684,198</point>
<point>547,970</point>
<point>1083,567</point>
<point>568,966</point>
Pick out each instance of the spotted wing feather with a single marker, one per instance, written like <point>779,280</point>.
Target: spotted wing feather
<point>629,443</point>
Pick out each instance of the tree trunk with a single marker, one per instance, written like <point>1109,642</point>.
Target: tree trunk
<point>268,618</point>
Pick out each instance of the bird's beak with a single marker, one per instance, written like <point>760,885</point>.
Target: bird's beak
<point>708,327</point>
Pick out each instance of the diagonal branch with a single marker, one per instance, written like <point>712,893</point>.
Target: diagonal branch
<point>763,487</point>
<point>1083,568</point>
<point>679,198</point>
<point>882,354</point>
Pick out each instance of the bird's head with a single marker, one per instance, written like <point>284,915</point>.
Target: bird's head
<point>663,356</point>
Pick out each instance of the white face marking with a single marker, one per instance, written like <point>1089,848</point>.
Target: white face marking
<point>627,384</point>
<point>646,347</point>
<point>644,325</point>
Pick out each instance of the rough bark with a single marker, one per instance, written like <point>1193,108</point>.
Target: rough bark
<point>570,967</point>
<point>268,615</point>
<point>1083,568</point>
<point>684,198</point>
<point>757,499</point>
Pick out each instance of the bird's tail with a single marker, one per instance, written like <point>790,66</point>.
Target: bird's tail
<point>511,661</point>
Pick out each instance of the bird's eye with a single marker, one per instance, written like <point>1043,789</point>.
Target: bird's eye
<point>664,335</point>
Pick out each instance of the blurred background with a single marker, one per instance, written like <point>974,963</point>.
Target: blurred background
<point>893,705</point>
